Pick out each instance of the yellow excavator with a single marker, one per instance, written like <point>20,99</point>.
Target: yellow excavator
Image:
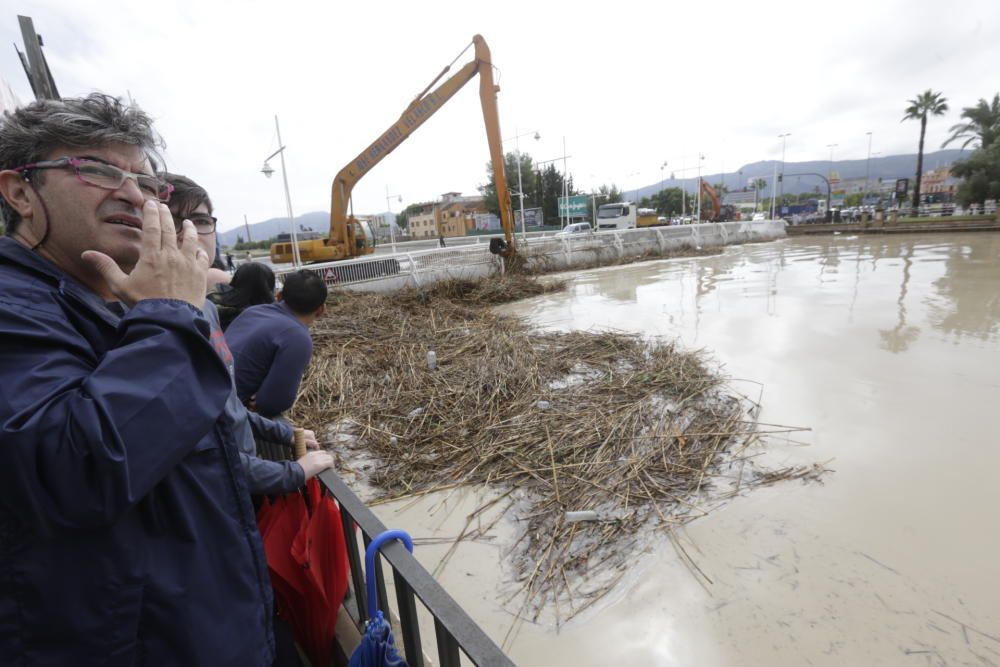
<point>347,237</point>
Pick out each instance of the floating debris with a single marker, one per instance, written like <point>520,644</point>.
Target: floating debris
<point>646,437</point>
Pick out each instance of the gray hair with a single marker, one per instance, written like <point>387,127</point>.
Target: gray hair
<point>28,134</point>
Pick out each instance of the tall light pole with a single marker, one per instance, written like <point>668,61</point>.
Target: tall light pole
<point>701,158</point>
<point>782,181</point>
<point>520,185</point>
<point>267,171</point>
<point>829,201</point>
<point>392,223</point>
<point>868,165</point>
<point>662,167</point>
<point>565,180</point>
<point>636,191</point>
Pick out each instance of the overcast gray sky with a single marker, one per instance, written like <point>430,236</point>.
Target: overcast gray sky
<point>628,84</point>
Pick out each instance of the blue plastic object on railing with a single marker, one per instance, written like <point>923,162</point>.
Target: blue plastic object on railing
<point>370,552</point>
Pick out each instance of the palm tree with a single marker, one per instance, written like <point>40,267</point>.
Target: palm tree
<point>983,125</point>
<point>926,103</point>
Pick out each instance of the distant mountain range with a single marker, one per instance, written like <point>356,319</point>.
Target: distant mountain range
<point>888,167</point>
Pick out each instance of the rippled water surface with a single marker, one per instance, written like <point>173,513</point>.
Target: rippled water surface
<point>888,349</point>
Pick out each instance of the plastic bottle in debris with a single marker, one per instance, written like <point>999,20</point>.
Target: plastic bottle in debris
<point>432,360</point>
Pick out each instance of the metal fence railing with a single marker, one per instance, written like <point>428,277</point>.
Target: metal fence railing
<point>455,632</point>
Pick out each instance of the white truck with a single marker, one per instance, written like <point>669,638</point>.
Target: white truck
<point>620,215</point>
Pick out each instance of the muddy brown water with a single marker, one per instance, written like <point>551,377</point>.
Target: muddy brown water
<point>888,349</point>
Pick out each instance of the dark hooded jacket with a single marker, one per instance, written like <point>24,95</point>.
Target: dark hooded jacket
<point>126,531</point>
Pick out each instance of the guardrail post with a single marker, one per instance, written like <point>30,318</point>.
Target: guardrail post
<point>413,270</point>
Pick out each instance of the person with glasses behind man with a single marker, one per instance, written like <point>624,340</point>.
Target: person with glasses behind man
<point>187,203</point>
<point>127,535</point>
<point>190,201</point>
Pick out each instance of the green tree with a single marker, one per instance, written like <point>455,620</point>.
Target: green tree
<point>604,195</point>
<point>982,126</point>
<point>550,190</point>
<point>927,103</point>
<point>980,174</point>
<point>489,190</point>
<point>667,201</point>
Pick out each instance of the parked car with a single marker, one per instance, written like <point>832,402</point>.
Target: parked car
<point>575,228</point>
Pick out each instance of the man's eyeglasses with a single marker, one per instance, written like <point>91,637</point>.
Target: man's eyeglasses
<point>106,176</point>
<point>203,223</point>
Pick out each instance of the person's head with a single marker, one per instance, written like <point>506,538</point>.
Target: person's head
<point>74,175</point>
<point>252,285</point>
<point>190,201</point>
<point>304,293</point>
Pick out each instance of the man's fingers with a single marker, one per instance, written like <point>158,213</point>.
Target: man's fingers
<point>168,233</point>
<point>151,241</point>
<point>106,267</point>
<point>189,238</point>
<point>190,245</point>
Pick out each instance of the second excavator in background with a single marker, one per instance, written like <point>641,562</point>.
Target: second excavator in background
<point>720,212</point>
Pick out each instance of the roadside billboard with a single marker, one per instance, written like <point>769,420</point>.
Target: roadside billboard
<point>532,217</point>
<point>573,207</point>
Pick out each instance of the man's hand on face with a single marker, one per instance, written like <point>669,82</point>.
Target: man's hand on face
<point>168,268</point>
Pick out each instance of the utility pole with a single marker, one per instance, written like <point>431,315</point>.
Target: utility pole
<point>35,66</point>
<point>868,165</point>
<point>700,159</point>
<point>784,136</point>
<point>247,226</point>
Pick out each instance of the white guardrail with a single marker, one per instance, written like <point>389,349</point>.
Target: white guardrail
<point>388,273</point>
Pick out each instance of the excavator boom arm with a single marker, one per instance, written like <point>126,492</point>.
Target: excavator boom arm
<point>714,196</point>
<point>415,115</point>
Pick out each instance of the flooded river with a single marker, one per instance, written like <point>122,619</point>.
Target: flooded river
<point>888,349</point>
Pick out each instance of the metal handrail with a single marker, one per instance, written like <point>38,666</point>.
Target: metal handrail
<point>453,627</point>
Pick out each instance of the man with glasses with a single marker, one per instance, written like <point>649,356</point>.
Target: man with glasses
<point>126,531</point>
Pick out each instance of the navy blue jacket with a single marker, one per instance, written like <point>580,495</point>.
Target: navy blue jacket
<point>264,477</point>
<point>126,532</point>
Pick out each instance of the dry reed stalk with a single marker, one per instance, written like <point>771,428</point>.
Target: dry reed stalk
<point>639,431</point>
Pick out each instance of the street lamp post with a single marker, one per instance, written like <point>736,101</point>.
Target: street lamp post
<point>829,201</point>
<point>681,171</point>
<point>635,193</point>
<point>784,136</point>
<point>701,158</point>
<point>520,185</point>
<point>662,167</point>
<point>267,171</point>
<point>392,223</point>
<point>868,165</point>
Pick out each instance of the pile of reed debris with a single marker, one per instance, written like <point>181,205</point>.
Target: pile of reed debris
<point>630,432</point>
